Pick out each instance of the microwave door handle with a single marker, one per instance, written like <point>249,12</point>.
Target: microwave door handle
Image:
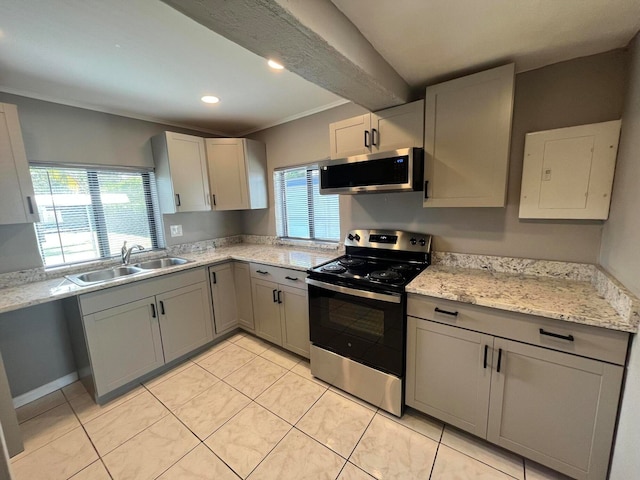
<point>384,297</point>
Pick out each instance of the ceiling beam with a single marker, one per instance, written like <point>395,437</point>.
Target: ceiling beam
<point>311,38</point>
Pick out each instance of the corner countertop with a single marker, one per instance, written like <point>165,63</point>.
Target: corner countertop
<point>577,301</point>
<point>35,293</point>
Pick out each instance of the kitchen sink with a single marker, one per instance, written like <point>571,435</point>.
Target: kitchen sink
<point>99,276</point>
<point>161,263</point>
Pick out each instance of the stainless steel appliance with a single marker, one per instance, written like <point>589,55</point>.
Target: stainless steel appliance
<point>357,314</point>
<point>394,171</point>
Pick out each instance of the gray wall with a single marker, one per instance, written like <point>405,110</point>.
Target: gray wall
<point>619,255</point>
<point>575,92</point>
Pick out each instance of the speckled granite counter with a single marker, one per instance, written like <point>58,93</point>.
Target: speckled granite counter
<point>600,301</point>
<point>37,292</point>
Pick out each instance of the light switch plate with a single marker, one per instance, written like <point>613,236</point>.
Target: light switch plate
<point>176,230</point>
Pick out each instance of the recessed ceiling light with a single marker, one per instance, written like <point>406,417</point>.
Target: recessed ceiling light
<point>210,99</point>
<point>275,65</point>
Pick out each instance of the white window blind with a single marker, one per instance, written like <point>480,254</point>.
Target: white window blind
<point>87,213</point>
<point>301,212</point>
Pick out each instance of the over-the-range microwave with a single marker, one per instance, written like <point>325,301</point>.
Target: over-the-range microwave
<point>394,171</point>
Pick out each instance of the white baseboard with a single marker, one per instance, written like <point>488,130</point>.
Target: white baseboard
<point>50,387</point>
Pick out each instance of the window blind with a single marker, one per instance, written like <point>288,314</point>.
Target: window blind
<point>88,213</point>
<point>301,212</point>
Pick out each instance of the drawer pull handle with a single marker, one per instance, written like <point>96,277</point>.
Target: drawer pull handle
<point>275,300</point>
<point>261,272</point>
<point>569,338</point>
<point>499,360</point>
<point>446,312</point>
<point>293,279</point>
<point>486,351</point>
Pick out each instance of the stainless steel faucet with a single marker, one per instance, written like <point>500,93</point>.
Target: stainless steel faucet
<point>126,252</point>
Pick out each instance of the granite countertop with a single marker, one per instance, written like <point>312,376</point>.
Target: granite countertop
<point>572,300</point>
<point>38,292</point>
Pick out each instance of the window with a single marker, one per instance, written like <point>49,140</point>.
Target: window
<point>87,213</point>
<point>301,212</point>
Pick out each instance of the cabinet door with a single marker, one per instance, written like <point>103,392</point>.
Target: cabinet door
<point>467,137</point>
<point>17,200</point>
<point>188,166</point>
<point>350,137</point>
<point>266,310</point>
<point>124,343</point>
<point>447,375</point>
<point>398,127</point>
<point>227,173</point>
<point>295,319</point>
<point>185,320</point>
<point>223,290</point>
<point>242,278</point>
<point>554,408</point>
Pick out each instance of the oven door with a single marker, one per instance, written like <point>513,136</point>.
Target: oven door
<point>364,326</point>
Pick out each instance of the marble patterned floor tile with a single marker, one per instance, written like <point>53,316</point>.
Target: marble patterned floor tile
<point>535,471</point>
<point>168,374</point>
<point>284,359</point>
<point>304,370</point>
<point>353,398</point>
<point>255,377</point>
<point>291,397</point>
<point>253,344</point>
<point>48,426</point>
<point>351,472</point>
<point>41,405</point>
<point>419,422</point>
<point>87,409</point>
<point>205,413</point>
<point>73,389</point>
<point>95,471</point>
<point>483,451</point>
<point>199,464</point>
<point>151,452</point>
<point>389,450</point>
<point>226,361</point>
<point>336,422</point>
<point>123,422</point>
<point>244,441</point>
<point>211,350</point>
<point>180,388</point>
<point>453,465</point>
<point>59,459</point>
<point>237,336</point>
<point>298,457</point>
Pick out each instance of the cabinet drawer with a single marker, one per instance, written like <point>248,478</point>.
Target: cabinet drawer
<point>593,342</point>
<point>283,276</point>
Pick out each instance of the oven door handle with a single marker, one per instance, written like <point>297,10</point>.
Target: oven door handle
<point>384,297</point>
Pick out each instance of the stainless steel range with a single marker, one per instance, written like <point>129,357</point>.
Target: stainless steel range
<point>357,314</point>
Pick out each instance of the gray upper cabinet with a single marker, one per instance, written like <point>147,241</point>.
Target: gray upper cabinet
<point>467,138</point>
<point>223,296</point>
<point>237,173</point>
<point>389,129</point>
<point>181,173</point>
<point>17,200</point>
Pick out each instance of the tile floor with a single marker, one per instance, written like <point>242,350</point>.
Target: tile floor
<point>245,409</point>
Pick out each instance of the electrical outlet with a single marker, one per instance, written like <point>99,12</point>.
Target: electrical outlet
<point>176,230</point>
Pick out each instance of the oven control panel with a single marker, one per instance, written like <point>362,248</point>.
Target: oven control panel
<point>382,238</point>
<point>389,239</point>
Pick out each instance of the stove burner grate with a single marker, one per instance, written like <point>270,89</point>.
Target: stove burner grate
<point>334,268</point>
<point>385,276</point>
<point>351,262</point>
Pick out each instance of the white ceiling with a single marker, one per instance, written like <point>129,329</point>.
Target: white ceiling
<point>143,59</point>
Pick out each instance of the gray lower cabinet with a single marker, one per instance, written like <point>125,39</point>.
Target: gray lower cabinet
<point>555,407</point>
<point>267,310</point>
<point>295,320</point>
<point>223,293</point>
<point>244,302</point>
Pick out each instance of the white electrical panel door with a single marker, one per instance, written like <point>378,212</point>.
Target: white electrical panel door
<point>568,172</point>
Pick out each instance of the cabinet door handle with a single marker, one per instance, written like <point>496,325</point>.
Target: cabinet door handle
<point>279,299</point>
<point>373,137</point>
<point>153,311</point>
<point>214,278</point>
<point>426,192</point>
<point>486,351</point>
<point>293,279</point>
<point>214,199</point>
<point>499,360</point>
<point>366,138</point>
<point>30,204</point>
<point>446,312</point>
<point>162,307</point>
<point>557,335</point>
<point>261,272</point>
<point>177,199</point>
<point>275,300</point>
